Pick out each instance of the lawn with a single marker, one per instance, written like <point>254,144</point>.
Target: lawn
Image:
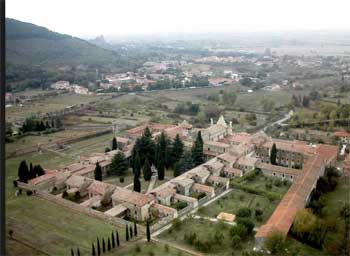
<point>152,249</point>
<point>205,230</point>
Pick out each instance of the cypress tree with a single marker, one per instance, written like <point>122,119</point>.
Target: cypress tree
<point>113,240</point>
<point>137,165</point>
<point>197,150</point>
<point>119,164</point>
<point>98,172</point>
<point>126,233</point>
<point>273,154</point>
<point>98,247</point>
<point>78,252</point>
<point>161,169</point>
<point>103,245</point>
<point>147,172</point>
<point>177,169</point>
<point>32,173</point>
<point>135,229</point>
<point>148,232</point>
<point>177,149</point>
<point>114,144</point>
<point>109,244</point>
<point>71,252</point>
<point>93,251</point>
<point>117,238</point>
<point>131,233</point>
<point>137,184</point>
<point>23,172</point>
<point>39,170</point>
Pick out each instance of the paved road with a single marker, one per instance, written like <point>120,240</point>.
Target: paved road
<point>151,184</point>
<point>278,122</point>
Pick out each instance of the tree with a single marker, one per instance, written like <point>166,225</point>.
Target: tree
<point>177,149</point>
<point>103,245</point>
<point>23,172</point>
<point>135,229</point>
<point>32,173</point>
<point>109,247</point>
<point>119,164</point>
<point>98,247</point>
<point>71,252</point>
<point>117,238</point>
<point>275,242</point>
<point>93,251</point>
<point>273,154</point>
<point>114,144</point>
<point>148,232</point>
<point>98,172</point>
<point>78,252</point>
<point>177,169</point>
<point>137,165</point>
<point>126,233</point>
<point>197,150</point>
<point>137,184</point>
<point>244,212</point>
<point>113,239</point>
<point>236,241</point>
<point>38,170</point>
<point>131,233</point>
<point>186,163</point>
<point>145,146</point>
<point>161,169</point>
<point>147,172</point>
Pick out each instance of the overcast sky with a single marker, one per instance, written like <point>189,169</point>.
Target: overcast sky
<point>86,18</point>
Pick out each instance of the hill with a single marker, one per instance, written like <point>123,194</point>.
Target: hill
<point>34,45</point>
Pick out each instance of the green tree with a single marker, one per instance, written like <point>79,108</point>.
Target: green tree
<point>23,172</point>
<point>114,144</point>
<point>137,165</point>
<point>147,172</point>
<point>137,184</point>
<point>197,150</point>
<point>177,149</point>
<point>273,154</point>
<point>98,247</point>
<point>135,229</point>
<point>130,232</point>
<point>148,232</point>
<point>109,247</point>
<point>126,233</point>
<point>186,163</point>
<point>119,164</point>
<point>113,239</point>
<point>161,169</point>
<point>117,238</point>
<point>275,242</point>
<point>103,245</point>
<point>98,172</point>
<point>93,251</point>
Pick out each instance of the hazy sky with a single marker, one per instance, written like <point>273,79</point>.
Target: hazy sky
<point>86,18</point>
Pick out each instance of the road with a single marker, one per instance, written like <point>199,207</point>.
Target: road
<point>278,122</point>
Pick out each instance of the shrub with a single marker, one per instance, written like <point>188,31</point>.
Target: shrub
<point>65,194</point>
<point>278,183</point>
<point>166,248</point>
<point>236,240</point>
<point>190,238</point>
<point>15,183</point>
<point>239,230</point>
<point>275,242</point>
<point>244,212</point>
<point>258,212</point>
<point>177,223</point>
<point>29,192</point>
<point>247,223</point>
<point>121,179</point>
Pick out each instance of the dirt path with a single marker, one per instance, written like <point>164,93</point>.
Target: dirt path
<point>178,247</point>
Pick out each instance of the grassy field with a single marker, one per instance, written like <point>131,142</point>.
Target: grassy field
<point>205,229</point>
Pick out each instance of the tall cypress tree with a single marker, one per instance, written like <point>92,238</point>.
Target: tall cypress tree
<point>71,252</point>
<point>161,169</point>
<point>147,172</point>
<point>177,149</point>
<point>197,150</point>
<point>126,233</point>
<point>117,238</point>
<point>98,172</point>
<point>185,163</point>
<point>119,164</point>
<point>98,247</point>
<point>23,172</point>
<point>137,184</point>
<point>78,252</point>
<point>109,247</point>
<point>113,239</point>
<point>273,154</point>
<point>148,232</point>
<point>131,233</point>
<point>135,229</point>
<point>137,165</point>
<point>93,251</point>
<point>114,144</point>
<point>32,173</point>
<point>103,245</point>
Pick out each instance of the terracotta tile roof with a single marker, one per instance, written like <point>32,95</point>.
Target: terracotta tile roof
<point>185,198</point>
<point>77,181</point>
<point>116,210</point>
<point>342,134</point>
<point>164,192</point>
<point>328,152</point>
<point>132,197</point>
<point>164,209</point>
<point>218,179</point>
<point>278,169</point>
<point>203,188</point>
<point>86,170</point>
<point>228,158</point>
<point>100,188</point>
<point>49,175</point>
<point>216,144</point>
<point>247,161</point>
<point>74,167</point>
<point>235,171</point>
